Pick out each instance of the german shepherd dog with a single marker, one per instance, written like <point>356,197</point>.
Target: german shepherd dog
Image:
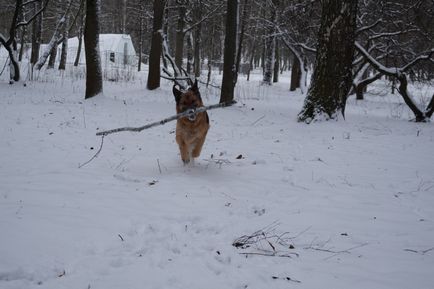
<point>190,131</point>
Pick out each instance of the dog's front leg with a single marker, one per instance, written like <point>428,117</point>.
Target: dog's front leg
<point>185,152</point>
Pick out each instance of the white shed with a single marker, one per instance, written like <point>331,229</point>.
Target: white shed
<point>116,50</point>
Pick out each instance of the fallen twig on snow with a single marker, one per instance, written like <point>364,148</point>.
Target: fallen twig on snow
<point>286,278</point>
<point>266,243</point>
<point>95,155</point>
<point>422,252</point>
<point>334,252</point>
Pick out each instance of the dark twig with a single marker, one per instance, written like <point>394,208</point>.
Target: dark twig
<point>422,252</point>
<point>159,167</point>
<point>97,153</point>
<point>269,254</point>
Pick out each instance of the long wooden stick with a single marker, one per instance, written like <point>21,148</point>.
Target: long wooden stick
<point>186,113</point>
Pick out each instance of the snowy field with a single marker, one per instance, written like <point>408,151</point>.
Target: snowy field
<point>347,204</point>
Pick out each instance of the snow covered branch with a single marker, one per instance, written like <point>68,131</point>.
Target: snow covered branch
<point>399,73</point>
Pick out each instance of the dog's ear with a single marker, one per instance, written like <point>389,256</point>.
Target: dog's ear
<point>177,94</point>
<point>195,89</point>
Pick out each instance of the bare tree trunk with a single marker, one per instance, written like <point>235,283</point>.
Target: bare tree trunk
<point>64,53</point>
<point>246,11</point>
<point>94,84</point>
<point>156,45</point>
<point>139,65</point>
<point>229,71</point>
<point>270,44</point>
<point>53,56</point>
<point>276,64</point>
<point>36,34</point>
<point>252,50</point>
<point>189,53</point>
<point>430,108</point>
<point>332,77</point>
<point>197,39</point>
<point>124,16</point>
<point>13,65</point>
<point>295,74</point>
<point>80,37</point>
<point>210,55</point>
<point>22,38</point>
<point>179,42</point>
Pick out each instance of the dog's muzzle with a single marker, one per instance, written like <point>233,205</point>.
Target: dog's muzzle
<point>191,114</point>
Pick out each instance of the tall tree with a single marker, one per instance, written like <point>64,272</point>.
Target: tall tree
<point>332,77</point>
<point>270,42</point>
<point>180,33</point>
<point>230,50</point>
<point>36,34</point>
<point>156,45</point>
<point>94,84</point>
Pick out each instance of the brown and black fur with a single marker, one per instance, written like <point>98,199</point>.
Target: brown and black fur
<point>190,134</point>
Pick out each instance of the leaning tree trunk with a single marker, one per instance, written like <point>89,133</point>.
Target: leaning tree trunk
<point>230,49</point>
<point>80,37</point>
<point>156,45</point>
<point>78,54</point>
<point>332,77</point>
<point>91,48</point>
<point>51,49</point>
<point>22,43</point>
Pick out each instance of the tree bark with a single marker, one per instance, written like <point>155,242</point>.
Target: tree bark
<point>156,45</point>
<point>276,64</point>
<point>270,43</point>
<point>139,64</point>
<point>53,56</point>
<point>80,37</point>
<point>189,53</point>
<point>36,34</point>
<point>179,42</point>
<point>64,52</point>
<point>22,43</point>
<point>197,39</point>
<point>295,74</point>
<point>332,77</point>
<point>246,11</point>
<point>230,49</point>
<point>94,83</point>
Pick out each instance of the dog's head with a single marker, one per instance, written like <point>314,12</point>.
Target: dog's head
<point>189,99</point>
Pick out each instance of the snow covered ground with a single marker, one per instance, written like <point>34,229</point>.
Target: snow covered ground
<point>347,204</point>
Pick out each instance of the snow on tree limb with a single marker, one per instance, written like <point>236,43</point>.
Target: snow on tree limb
<point>399,73</point>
